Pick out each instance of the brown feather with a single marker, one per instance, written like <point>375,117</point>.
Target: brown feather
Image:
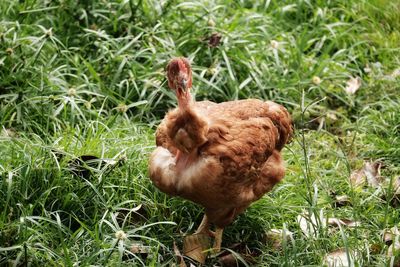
<point>222,156</point>
<point>234,151</point>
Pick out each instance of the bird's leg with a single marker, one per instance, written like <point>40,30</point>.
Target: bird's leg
<point>217,239</point>
<point>204,228</point>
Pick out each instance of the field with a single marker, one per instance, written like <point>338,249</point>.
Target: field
<point>82,89</point>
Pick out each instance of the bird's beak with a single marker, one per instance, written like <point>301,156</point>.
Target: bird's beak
<point>182,88</point>
<point>184,84</point>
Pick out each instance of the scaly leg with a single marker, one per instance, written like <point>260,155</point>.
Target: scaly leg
<point>217,239</point>
<point>204,228</point>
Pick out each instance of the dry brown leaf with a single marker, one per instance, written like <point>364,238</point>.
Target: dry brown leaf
<point>391,237</point>
<point>367,68</point>
<point>396,73</point>
<point>342,200</point>
<point>278,236</point>
<point>139,248</point>
<point>331,115</point>
<point>353,85</point>
<point>393,75</point>
<point>394,199</point>
<point>390,234</point>
<point>369,174</point>
<point>393,249</point>
<point>396,185</point>
<point>309,223</point>
<point>340,258</point>
<point>343,222</point>
<point>179,256</point>
<point>196,246</point>
<point>373,173</point>
<point>357,178</point>
<point>9,132</point>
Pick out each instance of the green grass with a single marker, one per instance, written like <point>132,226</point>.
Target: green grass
<point>87,78</point>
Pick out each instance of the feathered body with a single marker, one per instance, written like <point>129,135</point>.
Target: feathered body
<point>221,156</point>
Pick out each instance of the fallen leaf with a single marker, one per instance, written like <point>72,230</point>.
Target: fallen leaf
<point>390,234</point>
<point>357,178</point>
<point>377,65</point>
<point>373,172</point>
<point>9,132</point>
<point>343,222</point>
<point>395,201</point>
<point>278,236</point>
<point>196,247</point>
<point>396,185</point>
<point>331,115</point>
<point>369,174</point>
<point>342,200</point>
<point>393,193</point>
<point>139,248</point>
<point>309,223</point>
<point>394,249</point>
<point>393,75</point>
<point>339,258</point>
<point>391,237</point>
<point>367,69</point>
<point>179,256</point>
<point>396,73</point>
<point>353,85</point>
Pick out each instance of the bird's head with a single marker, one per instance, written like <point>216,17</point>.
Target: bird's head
<point>179,74</point>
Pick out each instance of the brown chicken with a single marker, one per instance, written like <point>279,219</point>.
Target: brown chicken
<point>221,156</point>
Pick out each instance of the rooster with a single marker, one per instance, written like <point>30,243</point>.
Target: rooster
<point>221,156</point>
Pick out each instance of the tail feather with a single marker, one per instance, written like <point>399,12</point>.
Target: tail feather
<point>283,122</point>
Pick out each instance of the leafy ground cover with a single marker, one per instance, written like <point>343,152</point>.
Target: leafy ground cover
<point>82,88</point>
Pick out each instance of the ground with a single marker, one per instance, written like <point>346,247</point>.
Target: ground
<point>82,89</point>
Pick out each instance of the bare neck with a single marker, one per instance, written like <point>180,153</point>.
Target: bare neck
<point>185,101</point>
